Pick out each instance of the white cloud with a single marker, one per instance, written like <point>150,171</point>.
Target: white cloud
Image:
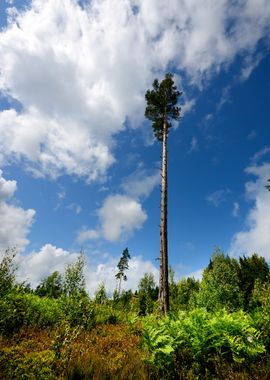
<point>218,197</point>
<point>260,154</point>
<point>52,146</point>
<point>75,207</point>
<point>85,235</point>
<point>77,81</point>
<point>15,221</point>
<point>120,216</point>
<point>236,209</point>
<point>36,266</point>
<point>7,188</point>
<point>255,236</point>
<point>193,144</point>
<point>141,183</point>
<point>250,64</point>
<point>188,105</point>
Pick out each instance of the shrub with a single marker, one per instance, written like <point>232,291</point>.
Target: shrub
<point>7,270</point>
<point>25,309</point>
<point>13,311</point>
<point>78,310</point>
<point>42,312</point>
<point>26,358</point>
<point>220,285</point>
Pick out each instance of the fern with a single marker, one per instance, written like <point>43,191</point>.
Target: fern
<point>202,336</point>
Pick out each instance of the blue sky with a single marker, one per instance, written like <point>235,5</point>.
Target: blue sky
<point>79,165</point>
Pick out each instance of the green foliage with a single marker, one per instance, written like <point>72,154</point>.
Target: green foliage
<point>147,283</point>
<point>187,290</point>
<point>260,304</point>
<point>78,310</point>
<point>13,312</point>
<point>261,294</point>
<point>19,364</point>
<point>42,312</point>
<point>213,342</point>
<point>26,309</point>
<point>124,302</point>
<point>161,104</point>
<point>108,314</point>
<point>220,286</point>
<point>7,270</point>
<point>172,290</point>
<point>74,279</point>
<point>251,269</point>
<point>51,286</point>
<point>101,296</point>
<point>197,338</point>
<point>147,295</point>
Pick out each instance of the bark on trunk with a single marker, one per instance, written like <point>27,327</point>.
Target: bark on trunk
<point>163,279</point>
<point>119,285</point>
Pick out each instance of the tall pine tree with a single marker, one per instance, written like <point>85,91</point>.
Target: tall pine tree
<point>161,109</point>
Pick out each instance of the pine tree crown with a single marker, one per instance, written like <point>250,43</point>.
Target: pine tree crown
<point>162,104</point>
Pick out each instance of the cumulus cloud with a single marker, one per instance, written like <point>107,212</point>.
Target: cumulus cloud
<point>69,70</point>
<point>87,234</point>
<point>7,188</point>
<point>15,221</point>
<point>255,235</point>
<point>36,266</point>
<point>119,217</point>
<point>122,214</point>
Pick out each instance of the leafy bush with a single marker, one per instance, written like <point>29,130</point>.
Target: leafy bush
<point>78,310</point>
<point>13,311</point>
<point>31,365</point>
<point>187,290</point>
<point>51,286</point>
<point>220,286</point>
<point>42,312</point>
<point>25,309</point>
<point>7,270</point>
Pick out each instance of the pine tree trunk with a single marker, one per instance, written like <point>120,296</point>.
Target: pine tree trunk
<point>163,279</point>
<point>119,285</point>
